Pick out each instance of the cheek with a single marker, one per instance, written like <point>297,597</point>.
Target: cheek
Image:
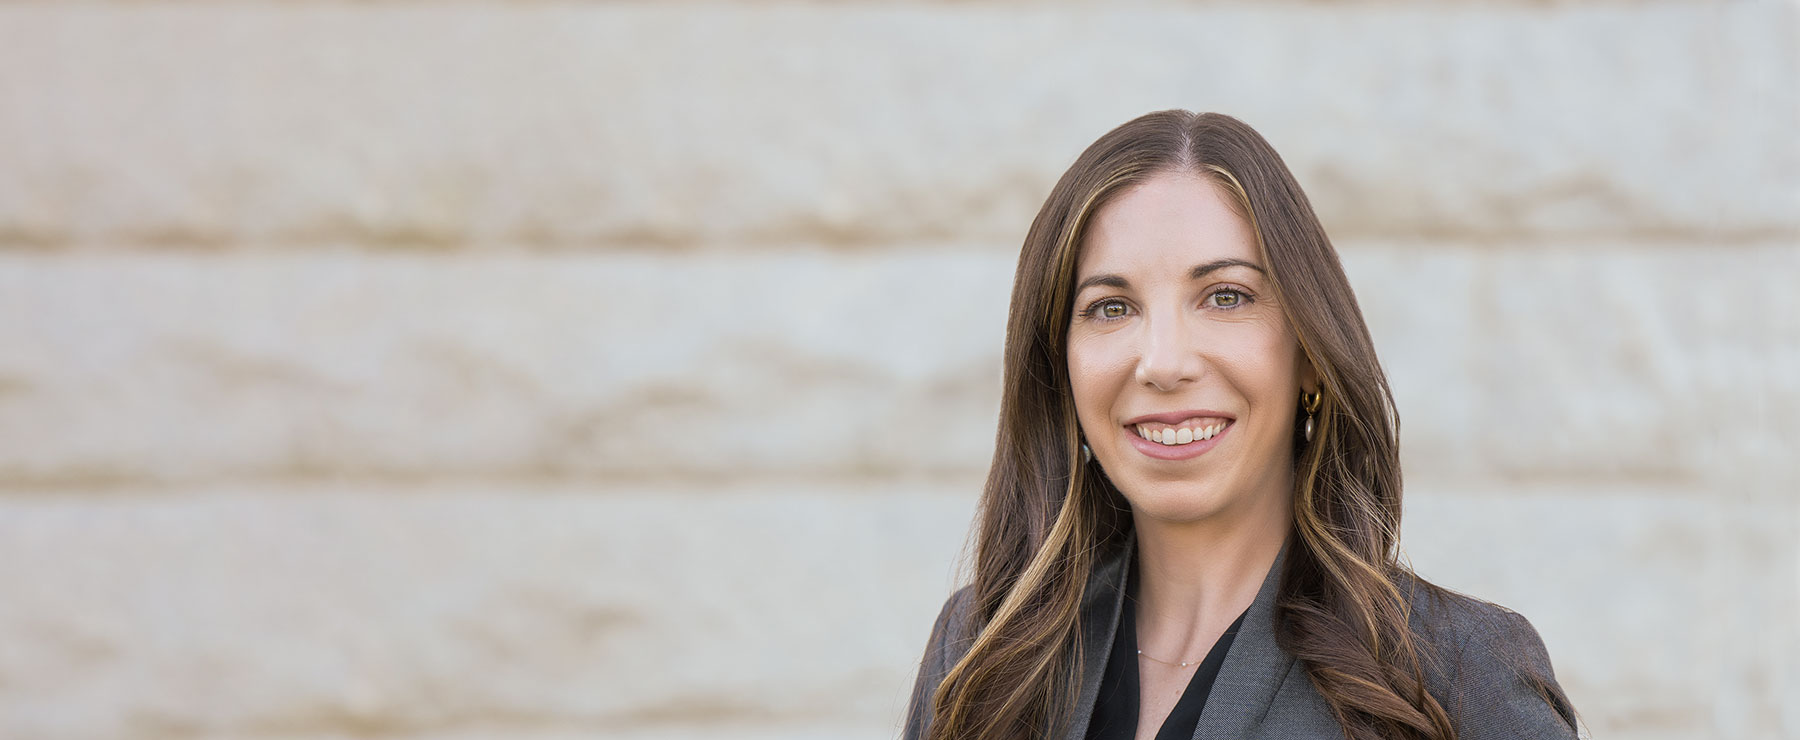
<point>1093,377</point>
<point>1259,364</point>
<point>1274,367</point>
<point>1081,377</point>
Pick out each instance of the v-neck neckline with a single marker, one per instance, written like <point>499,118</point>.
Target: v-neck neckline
<point>1254,669</point>
<point>1120,704</point>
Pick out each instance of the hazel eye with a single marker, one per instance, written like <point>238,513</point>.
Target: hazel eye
<point>1228,298</point>
<point>1106,309</point>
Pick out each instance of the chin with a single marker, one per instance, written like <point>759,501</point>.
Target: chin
<point>1175,502</point>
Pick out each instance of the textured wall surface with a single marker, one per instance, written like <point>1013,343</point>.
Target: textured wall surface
<point>534,370</point>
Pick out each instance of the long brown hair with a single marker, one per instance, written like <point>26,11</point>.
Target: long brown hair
<point>1046,516</point>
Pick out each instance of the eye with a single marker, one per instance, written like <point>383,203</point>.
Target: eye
<point>1106,309</point>
<point>1228,298</point>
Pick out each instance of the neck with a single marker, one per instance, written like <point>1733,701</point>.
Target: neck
<point>1196,577</point>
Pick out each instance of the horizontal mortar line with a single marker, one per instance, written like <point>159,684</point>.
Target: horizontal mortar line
<point>956,482</point>
<point>1499,242</point>
<point>857,7</point>
<point>22,488</point>
<point>661,713</point>
<point>958,246</point>
<point>1437,486</point>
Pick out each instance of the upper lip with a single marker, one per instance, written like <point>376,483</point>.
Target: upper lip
<point>1176,417</point>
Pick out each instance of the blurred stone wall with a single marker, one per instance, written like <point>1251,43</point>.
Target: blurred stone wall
<point>541,370</point>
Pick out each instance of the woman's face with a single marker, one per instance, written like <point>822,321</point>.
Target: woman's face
<point>1185,372</point>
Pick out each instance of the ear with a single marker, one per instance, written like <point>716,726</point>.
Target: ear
<point>1308,375</point>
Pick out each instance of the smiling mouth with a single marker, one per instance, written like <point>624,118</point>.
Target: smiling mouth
<point>1187,432</point>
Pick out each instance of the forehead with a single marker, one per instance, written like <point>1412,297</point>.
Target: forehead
<point>1164,226</point>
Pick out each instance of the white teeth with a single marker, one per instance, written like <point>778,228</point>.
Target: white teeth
<point>1180,436</point>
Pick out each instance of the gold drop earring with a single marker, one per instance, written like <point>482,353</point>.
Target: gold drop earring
<point>1311,403</point>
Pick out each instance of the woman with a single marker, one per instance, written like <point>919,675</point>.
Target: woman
<point>1189,528</point>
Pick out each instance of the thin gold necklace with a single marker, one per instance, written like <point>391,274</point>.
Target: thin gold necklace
<point>1164,662</point>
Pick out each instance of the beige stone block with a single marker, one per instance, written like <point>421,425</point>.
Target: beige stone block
<point>184,367</point>
<point>1669,366</point>
<point>605,125</point>
<point>504,610</point>
<point>554,611</point>
<point>1665,366</point>
<point>1666,613</point>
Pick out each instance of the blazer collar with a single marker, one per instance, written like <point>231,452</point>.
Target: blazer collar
<point>1254,666</point>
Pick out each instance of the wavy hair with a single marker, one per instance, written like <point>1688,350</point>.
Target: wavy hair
<point>1045,516</point>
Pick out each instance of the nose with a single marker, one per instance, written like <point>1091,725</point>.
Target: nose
<point>1169,356</point>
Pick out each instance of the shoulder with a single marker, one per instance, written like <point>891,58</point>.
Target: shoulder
<point>954,616</point>
<point>1486,665</point>
<point>951,633</point>
<point>950,639</point>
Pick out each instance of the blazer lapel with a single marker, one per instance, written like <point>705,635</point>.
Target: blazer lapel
<point>1253,670</point>
<point>1101,604</point>
<point>1100,618</point>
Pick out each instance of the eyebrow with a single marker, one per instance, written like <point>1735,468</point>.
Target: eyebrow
<point>1116,281</point>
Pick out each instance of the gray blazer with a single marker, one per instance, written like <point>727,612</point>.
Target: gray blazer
<point>1263,692</point>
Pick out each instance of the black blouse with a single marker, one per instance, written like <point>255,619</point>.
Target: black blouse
<point>1116,709</point>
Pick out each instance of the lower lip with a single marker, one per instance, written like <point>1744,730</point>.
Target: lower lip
<point>1187,451</point>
